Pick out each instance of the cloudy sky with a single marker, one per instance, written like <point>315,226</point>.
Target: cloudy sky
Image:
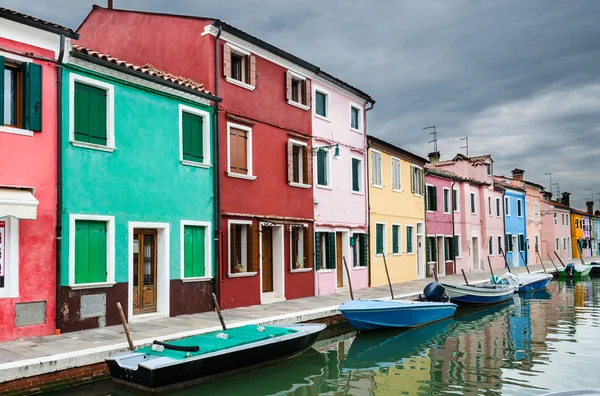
<point>520,78</point>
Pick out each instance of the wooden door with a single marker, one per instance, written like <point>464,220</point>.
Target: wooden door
<point>267,259</point>
<point>339,260</point>
<point>144,271</point>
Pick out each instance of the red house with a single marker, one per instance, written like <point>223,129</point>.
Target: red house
<point>265,190</point>
<point>29,57</point>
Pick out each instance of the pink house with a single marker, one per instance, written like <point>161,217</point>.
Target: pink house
<point>556,229</point>
<point>492,221</point>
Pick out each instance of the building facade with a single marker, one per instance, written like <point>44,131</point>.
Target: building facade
<point>514,223</point>
<point>396,213</point>
<point>556,230</point>
<point>137,196</point>
<point>28,146</point>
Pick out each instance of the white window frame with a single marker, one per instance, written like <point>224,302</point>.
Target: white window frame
<point>373,151</point>
<point>427,209</point>
<point>498,207</point>
<point>5,128</point>
<point>422,184</point>
<point>384,239</point>
<point>361,187</point>
<point>250,175</point>
<point>507,206</point>
<point>500,245</point>
<point>519,204</point>
<point>327,104</point>
<point>399,253</point>
<point>446,194</point>
<point>457,199</point>
<point>490,206</point>
<point>568,216</point>
<point>556,218</point>
<point>414,238</point>
<point>245,54</point>
<point>110,251</point>
<point>558,244</point>
<point>527,213</point>
<point>207,250</point>
<point>316,166</point>
<point>536,211</point>
<point>491,245</point>
<point>397,160</point>
<point>304,254</point>
<point>304,146</point>
<point>301,79</point>
<point>458,252</point>
<point>11,258</point>
<point>206,118</point>
<point>360,118</point>
<point>238,274</point>
<point>473,207</point>
<point>110,112</point>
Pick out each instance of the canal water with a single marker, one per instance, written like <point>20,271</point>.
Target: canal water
<point>547,341</point>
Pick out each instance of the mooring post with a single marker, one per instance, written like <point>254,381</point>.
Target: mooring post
<point>552,261</point>
<point>559,259</point>
<point>490,264</point>
<point>465,276</point>
<point>218,311</point>
<point>524,262</point>
<point>541,261</point>
<point>350,279</point>
<point>505,261</point>
<point>580,254</point>
<point>125,327</point>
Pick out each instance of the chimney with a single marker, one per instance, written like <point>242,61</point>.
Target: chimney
<point>547,196</point>
<point>597,213</point>
<point>434,157</point>
<point>565,198</point>
<point>518,174</point>
<point>590,207</point>
<point>110,4</point>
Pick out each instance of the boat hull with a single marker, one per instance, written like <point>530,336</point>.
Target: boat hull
<point>385,314</point>
<point>580,272</point>
<point>463,295</point>
<point>175,374</point>
<point>533,284</point>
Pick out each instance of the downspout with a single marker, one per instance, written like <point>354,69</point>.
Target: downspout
<point>504,226</point>
<point>368,200</point>
<point>453,229</point>
<point>59,160</point>
<point>217,173</point>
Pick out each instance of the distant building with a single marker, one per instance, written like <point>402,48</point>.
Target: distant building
<point>556,229</point>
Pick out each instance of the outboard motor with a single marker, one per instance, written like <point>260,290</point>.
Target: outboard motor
<point>435,292</point>
<point>570,270</point>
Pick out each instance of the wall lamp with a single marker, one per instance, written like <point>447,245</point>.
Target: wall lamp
<point>336,154</point>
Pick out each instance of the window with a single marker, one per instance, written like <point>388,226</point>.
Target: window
<point>9,257</point>
<point>239,66</point>
<point>430,249</point>
<point>194,134</point>
<point>396,185</point>
<point>521,242</point>
<point>240,245</point>
<point>506,206</point>
<point>498,207</point>
<point>576,224</point>
<point>376,168</point>
<point>568,219</point>
<point>325,250</point>
<point>457,247</point>
<point>90,251</point>
<point>527,212</point>
<point>536,245</point>
<point>298,90</point>
<point>409,239</point>
<point>196,250</point>
<point>557,243</point>
<point>499,244</point>
<point>356,175</point>
<point>556,218</point>
<point>536,211</point>
<point>240,151</point>
<point>299,164</point>
<point>519,208</point>
<point>323,168</point>
<point>396,238</point>
<point>490,206</point>
<point>321,104</point>
<point>565,243</point>
<point>449,248</point>
<point>562,219</point>
<point>473,206</point>
<point>431,198</point>
<point>490,169</point>
<point>455,201</point>
<point>355,118</point>
<point>446,200</point>
<point>360,252</point>
<point>380,238</point>
<point>21,84</point>
<point>299,245</point>
<point>417,180</point>
<point>491,246</point>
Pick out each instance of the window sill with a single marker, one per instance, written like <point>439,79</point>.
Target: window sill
<point>195,164</point>
<point>299,185</point>
<point>297,270</point>
<point>93,146</point>
<point>377,186</point>
<point>324,187</point>
<point>356,130</point>
<point>240,176</point>
<point>396,254</point>
<point>396,190</point>
<point>410,253</point>
<point>241,274</point>
<point>417,195</point>
<point>298,105</point>
<point>15,131</point>
<point>359,268</point>
<point>198,279</point>
<point>358,192</point>
<point>430,211</point>
<point>324,271</point>
<point>447,213</point>
<point>92,285</point>
<point>240,84</point>
<point>320,117</point>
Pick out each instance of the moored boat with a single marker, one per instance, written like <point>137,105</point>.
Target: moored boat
<point>204,357</point>
<point>480,294</point>
<point>380,314</point>
<point>575,271</point>
<point>595,269</point>
<point>528,283</point>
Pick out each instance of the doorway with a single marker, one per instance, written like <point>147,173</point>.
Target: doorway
<point>515,250</point>
<point>477,263</point>
<point>145,291</point>
<point>339,259</point>
<point>267,259</point>
<point>441,256</point>
<point>272,282</point>
<point>421,250</point>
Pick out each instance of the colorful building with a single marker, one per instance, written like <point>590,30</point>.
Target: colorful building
<point>556,229</point>
<point>396,213</point>
<point>340,201</point>
<point>29,55</point>
<point>514,225</point>
<point>138,197</point>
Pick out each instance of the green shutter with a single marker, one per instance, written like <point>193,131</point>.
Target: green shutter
<point>193,252</point>
<point>90,114</point>
<point>33,97</point>
<point>90,251</point>
<point>331,259</point>
<point>321,167</point>
<point>379,239</point>
<point>395,247</point>
<point>81,251</point>
<point>355,174</point>
<point>318,250</point>
<point>409,240</point>
<point>434,198</point>
<point>2,90</point>
<point>364,257</point>
<point>192,136</point>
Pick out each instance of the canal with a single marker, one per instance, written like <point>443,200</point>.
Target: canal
<point>548,341</point>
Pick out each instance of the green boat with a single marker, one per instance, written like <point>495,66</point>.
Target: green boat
<point>580,271</point>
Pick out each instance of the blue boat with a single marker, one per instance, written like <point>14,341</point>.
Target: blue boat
<point>480,294</point>
<point>528,283</point>
<point>382,314</point>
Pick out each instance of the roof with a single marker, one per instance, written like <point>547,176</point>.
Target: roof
<point>559,205</point>
<point>508,186</point>
<point>430,169</point>
<point>396,148</point>
<point>476,160</point>
<point>37,23</point>
<point>146,69</point>
<point>262,44</point>
<point>443,163</point>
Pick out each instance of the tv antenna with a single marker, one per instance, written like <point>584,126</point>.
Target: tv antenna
<point>434,141</point>
<point>467,145</point>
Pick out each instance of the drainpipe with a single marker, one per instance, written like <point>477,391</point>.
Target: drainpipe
<point>368,200</point>
<point>453,229</point>
<point>217,172</point>
<point>504,226</point>
<point>59,160</point>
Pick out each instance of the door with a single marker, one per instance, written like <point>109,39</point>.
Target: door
<point>267,259</point>
<point>440,265</point>
<point>339,260</point>
<point>144,271</point>
<point>420,256</point>
<point>476,260</point>
<point>515,250</point>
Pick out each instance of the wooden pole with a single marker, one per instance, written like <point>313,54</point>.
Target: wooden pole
<point>580,254</point>
<point>350,280</point>
<point>435,273</point>
<point>388,276</point>
<point>524,262</point>
<point>218,311</point>
<point>559,259</point>
<point>505,261</point>
<point>490,264</point>
<point>465,276</point>
<point>552,261</point>
<point>125,327</point>
<point>541,261</point>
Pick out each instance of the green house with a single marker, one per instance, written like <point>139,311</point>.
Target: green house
<point>137,193</point>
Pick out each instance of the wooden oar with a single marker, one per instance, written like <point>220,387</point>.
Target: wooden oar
<point>219,311</point>
<point>505,260</point>
<point>524,262</point>
<point>541,262</point>
<point>552,261</point>
<point>490,264</point>
<point>125,327</point>
<point>559,259</point>
<point>350,280</point>
<point>465,276</point>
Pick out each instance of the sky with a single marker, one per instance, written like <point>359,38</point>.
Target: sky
<point>520,79</point>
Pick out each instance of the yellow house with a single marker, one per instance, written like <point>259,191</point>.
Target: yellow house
<point>577,233</point>
<point>396,213</point>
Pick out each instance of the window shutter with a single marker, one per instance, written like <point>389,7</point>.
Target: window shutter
<point>81,251</point>
<point>188,252</point>
<point>252,253</point>
<point>199,265</point>
<point>434,198</point>
<point>307,165</point>
<point>364,257</point>
<point>33,97</point>
<point>2,91</point>
<point>186,137</point>
<point>252,80</point>
<point>197,141</point>
<point>290,162</point>
<point>321,170</point>
<point>318,250</point>
<point>288,85</point>
<point>355,174</point>
<point>238,145</point>
<point>394,239</point>
<point>308,92</point>
<point>331,251</point>
<point>227,60</point>
<point>97,251</point>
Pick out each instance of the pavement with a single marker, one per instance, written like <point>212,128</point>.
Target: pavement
<point>39,355</point>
